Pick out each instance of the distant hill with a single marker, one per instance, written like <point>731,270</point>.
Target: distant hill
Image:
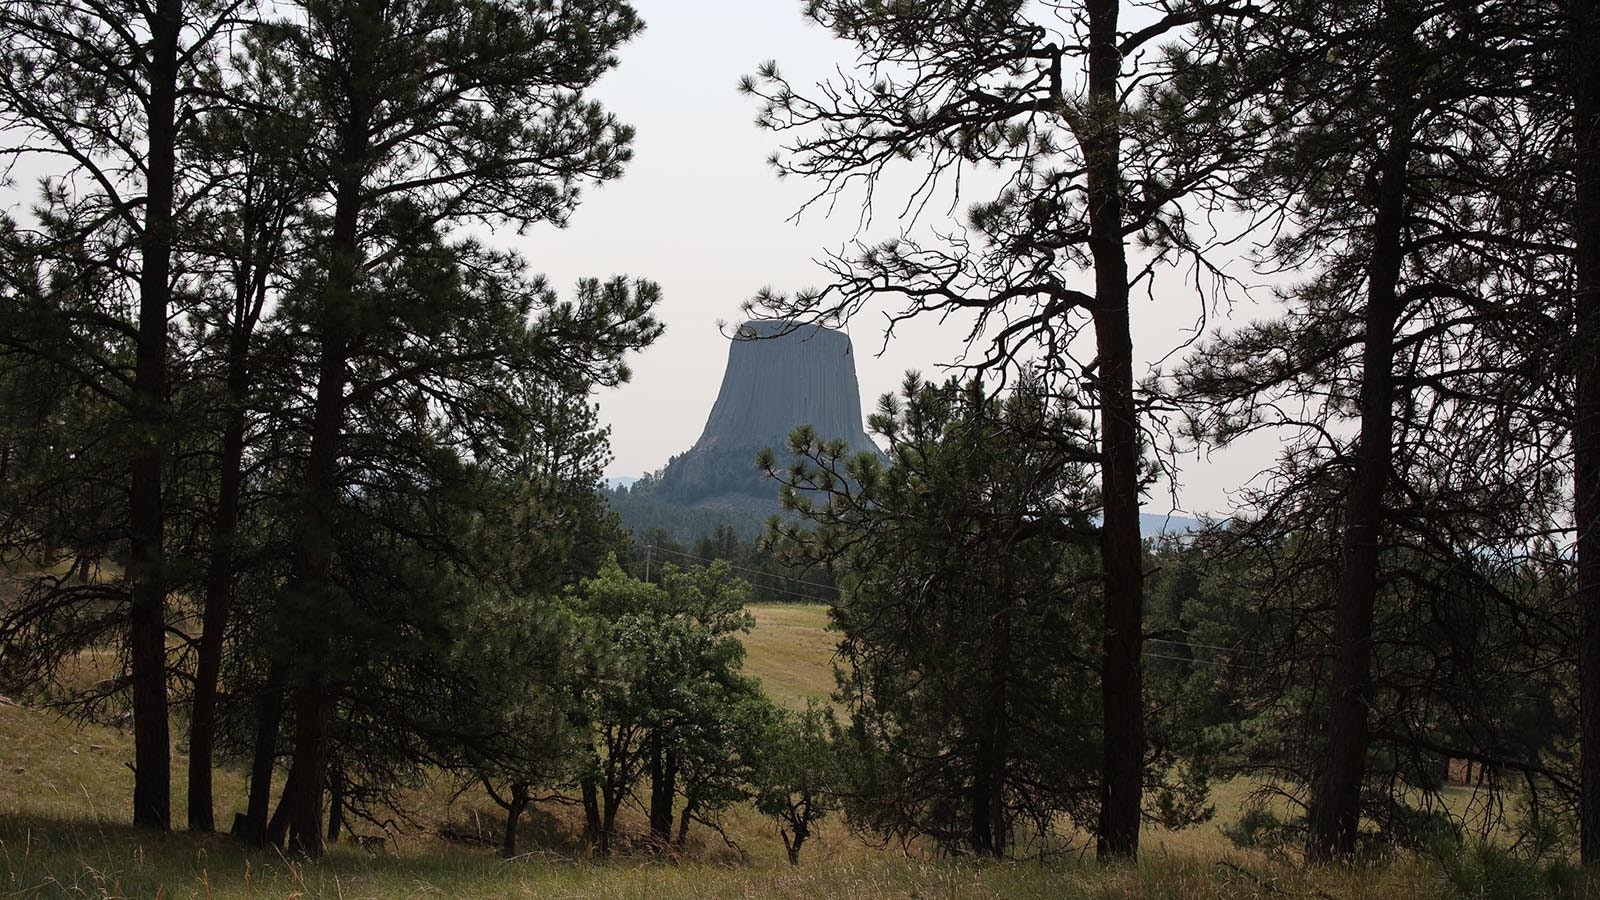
<point>1158,524</point>
<point>780,375</point>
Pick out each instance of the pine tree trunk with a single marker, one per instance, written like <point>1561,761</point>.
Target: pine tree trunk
<point>277,829</point>
<point>335,807</point>
<point>313,577</point>
<point>1000,734</point>
<point>302,790</point>
<point>1335,810</point>
<point>978,829</point>
<point>1585,33</point>
<point>608,822</point>
<point>591,810</point>
<point>152,780</point>
<point>1121,677</point>
<point>301,803</point>
<point>684,819</point>
<point>218,598</point>
<point>264,759</point>
<point>1121,553</point>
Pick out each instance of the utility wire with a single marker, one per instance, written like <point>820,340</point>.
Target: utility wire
<point>638,566</point>
<point>1201,646</point>
<point>815,584</point>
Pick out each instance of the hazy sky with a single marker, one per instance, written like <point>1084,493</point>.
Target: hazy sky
<point>701,212</point>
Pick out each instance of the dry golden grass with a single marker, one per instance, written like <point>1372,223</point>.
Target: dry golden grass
<point>791,651</point>
<point>64,791</point>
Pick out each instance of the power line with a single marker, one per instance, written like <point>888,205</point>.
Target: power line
<point>776,590</point>
<point>1202,662</point>
<point>733,565</point>
<point>1201,646</point>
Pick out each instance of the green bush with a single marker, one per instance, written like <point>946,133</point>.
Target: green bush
<point>1485,871</point>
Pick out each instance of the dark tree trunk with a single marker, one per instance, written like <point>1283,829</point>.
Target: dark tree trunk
<point>152,780</point>
<point>1335,809</point>
<point>793,842</point>
<point>335,807</point>
<point>608,822</point>
<point>302,790</point>
<point>663,790</point>
<point>218,598</point>
<point>591,811</point>
<point>684,818</point>
<point>278,828</point>
<point>517,804</point>
<point>999,735</point>
<point>978,829</point>
<point>264,759</point>
<point>302,797</point>
<point>1121,677</point>
<point>1585,32</point>
<point>301,803</point>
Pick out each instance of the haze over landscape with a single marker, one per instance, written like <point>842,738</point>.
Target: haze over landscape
<point>433,464</point>
<point>701,211</point>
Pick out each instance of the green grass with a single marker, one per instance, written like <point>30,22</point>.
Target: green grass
<point>65,788</point>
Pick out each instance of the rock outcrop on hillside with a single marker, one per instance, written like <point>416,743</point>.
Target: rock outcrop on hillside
<point>779,375</point>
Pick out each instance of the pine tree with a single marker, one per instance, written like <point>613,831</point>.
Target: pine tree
<point>1582,19</point>
<point>965,613</point>
<point>428,116</point>
<point>1102,140</point>
<point>1399,151</point>
<point>105,88</point>
<point>245,241</point>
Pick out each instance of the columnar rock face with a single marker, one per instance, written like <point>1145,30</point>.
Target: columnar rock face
<point>779,376</point>
<point>777,380</point>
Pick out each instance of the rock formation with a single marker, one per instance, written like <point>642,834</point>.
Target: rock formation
<point>779,376</point>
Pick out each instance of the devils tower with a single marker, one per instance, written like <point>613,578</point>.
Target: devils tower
<point>779,375</point>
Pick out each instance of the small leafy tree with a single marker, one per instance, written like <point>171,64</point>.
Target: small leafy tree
<point>665,711</point>
<point>529,646</point>
<point>796,775</point>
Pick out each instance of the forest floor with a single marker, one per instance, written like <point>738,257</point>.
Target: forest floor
<point>64,789</point>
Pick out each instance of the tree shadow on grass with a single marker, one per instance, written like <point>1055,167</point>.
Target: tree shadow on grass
<point>49,857</point>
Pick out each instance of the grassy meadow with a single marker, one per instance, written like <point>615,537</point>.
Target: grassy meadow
<point>65,791</point>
